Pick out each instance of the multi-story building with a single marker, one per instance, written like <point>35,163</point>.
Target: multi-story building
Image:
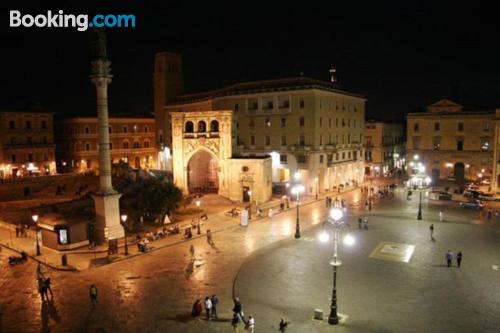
<point>26,144</point>
<point>132,140</point>
<point>452,143</point>
<point>384,148</point>
<point>306,125</point>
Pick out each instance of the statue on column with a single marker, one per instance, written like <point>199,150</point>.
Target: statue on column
<point>98,42</point>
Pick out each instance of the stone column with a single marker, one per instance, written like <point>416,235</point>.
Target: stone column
<point>107,205</point>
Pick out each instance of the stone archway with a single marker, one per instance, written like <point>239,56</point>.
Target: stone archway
<point>459,172</point>
<point>202,173</point>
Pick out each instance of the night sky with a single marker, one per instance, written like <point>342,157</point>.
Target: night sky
<point>401,55</point>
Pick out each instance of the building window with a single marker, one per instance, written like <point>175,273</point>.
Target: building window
<point>329,158</point>
<point>460,145</point>
<point>283,122</point>
<point>283,102</point>
<point>343,155</point>
<point>283,158</point>
<point>214,126</point>
<point>301,103</point>
<point>337,156</point>
<point>28,125</point>
<point>146,129</point>
<point>267,122</point>
<point>251,123</point>
<point>302,122</point>
<point>110,129</point>
<point>336,122</point>
<point>301,159</point>
<point>125,129</point>
<point>349,155</point>
<point>87,146</point>
<point>202,126</point>
<point>329,138</point>
<point>268,140</point>
<point>253,105</point>
<point>13,158</point>
<point>416,143</point>
<point>436,126</point>
<point>146,144</point>
<point>485,144</point>
<point>44,124</point>
<point>268,103</point>
<point>189,127</point>
<point>348,138</point>
<point>321,158</point>
<point>486,127</point>
<point>30,157</point>
<point>110,145</point>
<point>302,140</point>
<point>283,140</point>
<point>320,140</point>
<point>416,127</point>
<point>320,122</point>
<point>136,145</point>
<point>12,124</point>
<point>161,139</point>
<point>460,127</point>
<point>236,107</point>
<point>125,145</point>
<point>436,143</point>
<point>252,140</point>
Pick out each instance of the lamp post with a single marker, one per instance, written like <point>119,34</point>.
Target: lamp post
<point>250,208</point>
<point>35,219</point>
<point>419,215</point>
<point>124,220</point>
<point>317,187</point>
<point>198,202</point>
<point>335,219</point>
<point>297,189</point>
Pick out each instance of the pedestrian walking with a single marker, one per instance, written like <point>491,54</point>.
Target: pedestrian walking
<point>208,306</point>
<point>441,216</point>
<point>215,303</point>
<point>431,228</point>
<point>42,289</point>
<point>48,284</point>
<point>490,214</point>
<point>209,238</point>
<point>449,258</point>
<point>251,324</point>
<point>93,295</point>
<point>234,322</point>
<point>459,258</point>
<point>196,309</point>
<point>238,308</point>
<point>283,325</point>
<point>191,251</point>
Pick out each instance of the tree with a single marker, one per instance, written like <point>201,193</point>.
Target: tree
<point>160,198</point>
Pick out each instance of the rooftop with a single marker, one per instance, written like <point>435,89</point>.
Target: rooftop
<point>285,84</point>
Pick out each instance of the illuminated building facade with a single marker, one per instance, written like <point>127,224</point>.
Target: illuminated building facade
<point>452,143</point>
<point>306,125</point>
<point>384,148</point>
<point>132,140</point>
<point>26,144</point>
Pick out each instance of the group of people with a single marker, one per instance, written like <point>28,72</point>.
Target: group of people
<point>449,258</point>
<point>210,304</point>
<point>44,285</point>
<point>490,214</point>
<point>142,244</point>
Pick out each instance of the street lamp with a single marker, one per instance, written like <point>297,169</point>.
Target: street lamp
<point>35,219</point>
<point>124,220</point>
<point>297,189</point>
<point>198,202</point>
<point>317,186</point>
<point>335,219</point>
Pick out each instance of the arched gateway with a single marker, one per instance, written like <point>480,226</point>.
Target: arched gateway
<point>203,173</point>
<point>203,161</point>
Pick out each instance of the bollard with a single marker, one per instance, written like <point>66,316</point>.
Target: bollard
<point>64,260</point>
<point>318,314</point>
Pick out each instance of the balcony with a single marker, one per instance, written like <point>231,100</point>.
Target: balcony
<point>330,146</point>
<point>193,135</point>
<point>300,147</point>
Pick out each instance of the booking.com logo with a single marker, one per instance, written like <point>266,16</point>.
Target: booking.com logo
<point>62,20</point>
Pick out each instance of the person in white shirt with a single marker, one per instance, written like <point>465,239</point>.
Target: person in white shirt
<point>208,306</point>
<point>251,324</point>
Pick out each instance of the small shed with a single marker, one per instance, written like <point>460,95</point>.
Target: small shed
<point>61,234</point>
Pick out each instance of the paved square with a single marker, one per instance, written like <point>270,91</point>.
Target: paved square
<point>393,252</point>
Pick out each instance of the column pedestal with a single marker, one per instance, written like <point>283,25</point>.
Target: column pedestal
<point>107,215</point>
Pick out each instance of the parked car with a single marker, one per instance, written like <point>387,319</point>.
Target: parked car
<point>471,193</point>
<point>488,197</point>
<point>473,204</point>
<point>440,195</point>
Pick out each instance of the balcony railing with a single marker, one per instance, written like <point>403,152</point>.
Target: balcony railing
<point>300,147</point>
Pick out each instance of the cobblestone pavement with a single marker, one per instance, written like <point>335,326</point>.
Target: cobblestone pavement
<point>154,292</point>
